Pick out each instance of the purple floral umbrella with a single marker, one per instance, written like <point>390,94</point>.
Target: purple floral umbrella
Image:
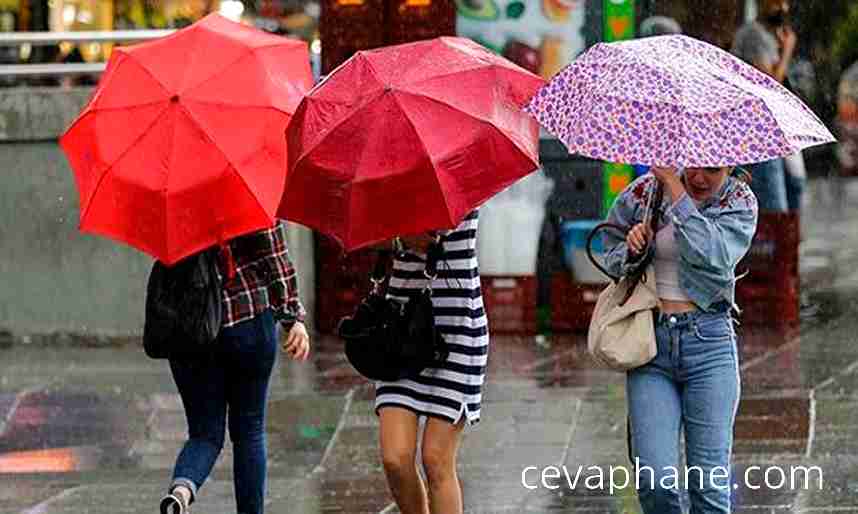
<point>673,101</point>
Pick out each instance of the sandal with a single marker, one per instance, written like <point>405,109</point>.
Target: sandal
<point>173,504</point>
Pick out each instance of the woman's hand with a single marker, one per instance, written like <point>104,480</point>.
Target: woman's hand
<point>638,238</point>
<point>787,38</point>
<point>297,344</point>
<point>671,180</point>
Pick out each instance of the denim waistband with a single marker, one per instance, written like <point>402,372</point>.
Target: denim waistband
<point>686,318</point>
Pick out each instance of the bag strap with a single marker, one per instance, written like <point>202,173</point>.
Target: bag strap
<point>379,272</point>
<point>434,254</point>
<point>596,263</point>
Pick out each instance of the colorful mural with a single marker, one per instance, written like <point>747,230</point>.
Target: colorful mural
<point>542,36</point>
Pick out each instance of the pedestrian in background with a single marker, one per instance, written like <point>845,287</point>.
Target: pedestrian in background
<point>230,386</point>
<point>659,26</point>
<point>769,43</point>
<point>847,121</point>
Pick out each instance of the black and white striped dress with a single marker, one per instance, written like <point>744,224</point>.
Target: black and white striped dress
<point>454,390</point>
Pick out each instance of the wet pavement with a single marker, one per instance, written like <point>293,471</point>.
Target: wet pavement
<point>96,430</point>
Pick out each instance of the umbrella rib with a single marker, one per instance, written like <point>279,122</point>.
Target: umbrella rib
<point>327,77</point>
<point>166,190</point>
<point>123,107</point>
<point>226,158</point>
<point>332,127</point>
<point>445,104</point>
<point>743,87</point>
<point>271,80</point>
<point>111,165</point>
<point>92,107</point>
<point>493,59</point>
<point>750,91</point>
<point>251,51</point>
<point>215,74</point>
<point>149,72</point>
<point>425,151</point>
<point>194,35</point>
<point>774,118</point>
<point>450,74</point>
<point>366,100</point>
<point>374,71</point>
<point>239,106</point>
<point>476,118</point>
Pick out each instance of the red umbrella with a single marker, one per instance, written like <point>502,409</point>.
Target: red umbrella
<point>408,138</point>
<point>181,146</point>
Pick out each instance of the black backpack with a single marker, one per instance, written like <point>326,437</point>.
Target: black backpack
<point>183,307</point>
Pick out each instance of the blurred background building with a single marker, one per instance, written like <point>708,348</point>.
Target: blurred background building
<point>298,18</point>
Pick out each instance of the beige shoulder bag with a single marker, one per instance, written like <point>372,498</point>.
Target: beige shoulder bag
<point>622,332</point>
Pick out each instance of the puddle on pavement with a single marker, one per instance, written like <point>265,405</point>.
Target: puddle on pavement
<point>821,307</point>
<point>60,432</point>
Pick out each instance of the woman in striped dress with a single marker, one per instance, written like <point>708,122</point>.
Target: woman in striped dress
<point>448,396</point>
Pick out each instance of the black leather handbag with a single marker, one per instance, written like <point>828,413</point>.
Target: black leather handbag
<point>183,307</point>
<point>389,340</point>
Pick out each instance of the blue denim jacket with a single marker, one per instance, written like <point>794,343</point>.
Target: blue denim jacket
<point>711,237</point>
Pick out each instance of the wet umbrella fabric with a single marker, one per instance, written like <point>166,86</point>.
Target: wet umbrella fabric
<point>408,138</point>
<point>181,146</point>
<point>673,101</point>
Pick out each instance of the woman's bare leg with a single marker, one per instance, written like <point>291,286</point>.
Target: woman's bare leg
<point>398,442</point>
<point>440,448</point>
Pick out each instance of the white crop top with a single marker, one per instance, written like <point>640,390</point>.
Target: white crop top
<point>666,266</point>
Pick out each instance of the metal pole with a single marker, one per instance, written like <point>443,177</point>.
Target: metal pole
<point>52,69</point>
<point>103,36</point>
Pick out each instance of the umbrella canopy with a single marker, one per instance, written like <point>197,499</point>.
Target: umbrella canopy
<point>181,145</point>
<point>673,101</point>
<point>408,138</point>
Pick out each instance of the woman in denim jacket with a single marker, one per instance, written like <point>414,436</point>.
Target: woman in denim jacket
<point>706,223</point>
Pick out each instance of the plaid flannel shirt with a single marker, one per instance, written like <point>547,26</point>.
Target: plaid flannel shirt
<point>263,277</point>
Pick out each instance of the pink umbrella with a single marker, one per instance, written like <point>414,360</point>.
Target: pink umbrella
<point>673,101</point>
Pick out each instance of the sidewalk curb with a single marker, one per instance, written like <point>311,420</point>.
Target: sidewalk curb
<point>60,339</point>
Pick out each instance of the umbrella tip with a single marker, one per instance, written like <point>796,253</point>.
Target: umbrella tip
<point>174,98</point>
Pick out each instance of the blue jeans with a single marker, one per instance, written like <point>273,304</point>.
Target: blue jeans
<point>693,383</point>
<point>233,382</point>
<point>769,184</point>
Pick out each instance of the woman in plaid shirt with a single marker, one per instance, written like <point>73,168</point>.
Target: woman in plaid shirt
<point>231,387</point>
